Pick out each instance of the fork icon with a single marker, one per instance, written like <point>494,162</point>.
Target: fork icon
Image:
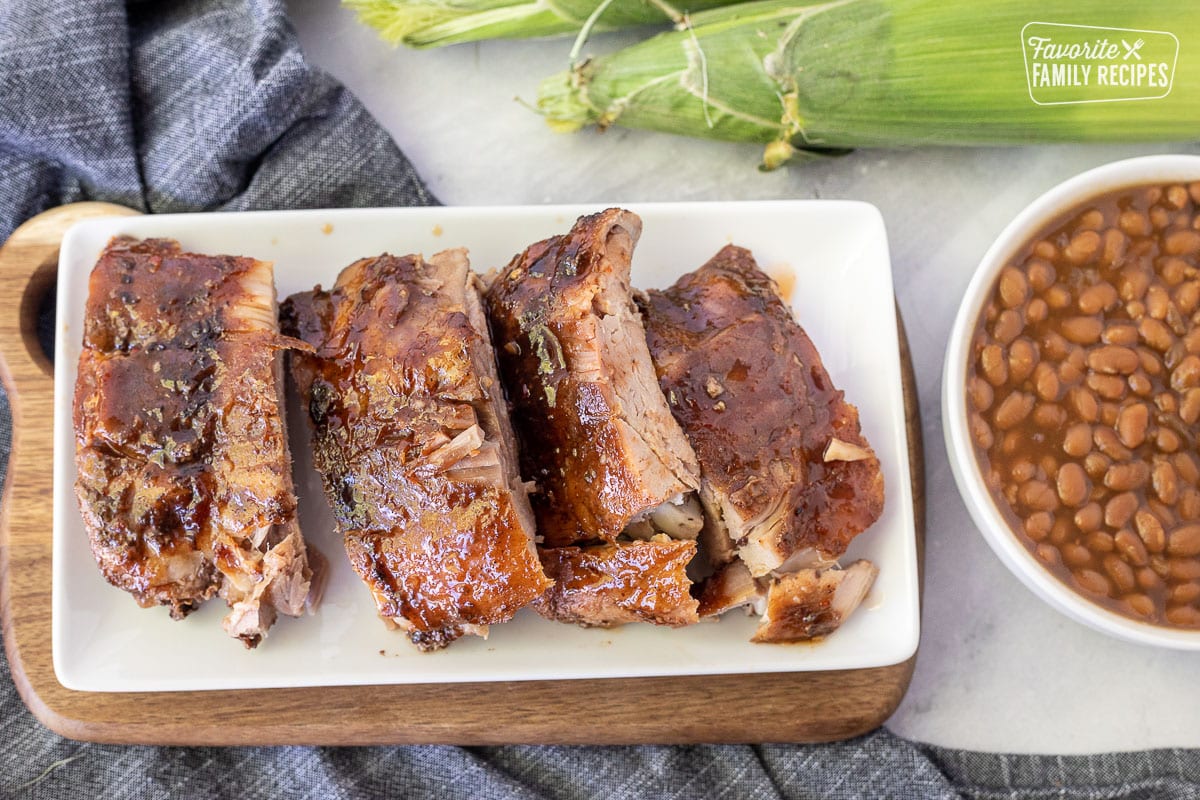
<point>1132,49</point>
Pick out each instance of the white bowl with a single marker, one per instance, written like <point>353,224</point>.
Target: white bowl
<point>996,530</point>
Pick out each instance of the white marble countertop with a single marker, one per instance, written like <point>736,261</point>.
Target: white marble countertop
<point>997,669</point>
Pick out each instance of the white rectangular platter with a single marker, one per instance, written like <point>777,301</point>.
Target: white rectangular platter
<point>836,253</point>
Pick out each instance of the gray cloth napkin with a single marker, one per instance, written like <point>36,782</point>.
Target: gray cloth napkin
<point>209,105</point>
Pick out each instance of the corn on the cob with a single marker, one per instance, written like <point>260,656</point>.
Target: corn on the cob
<point>434,23</point>
<point>811,77</point>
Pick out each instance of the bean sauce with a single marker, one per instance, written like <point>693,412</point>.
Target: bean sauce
<point>1084,400</point>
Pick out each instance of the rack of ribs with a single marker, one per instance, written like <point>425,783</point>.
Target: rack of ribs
<point>787,478</point>
<point>597,438</point>
<point>414,446</point>
<point>184,475</point>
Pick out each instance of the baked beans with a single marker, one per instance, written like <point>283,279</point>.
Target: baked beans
<point>1084,396</point>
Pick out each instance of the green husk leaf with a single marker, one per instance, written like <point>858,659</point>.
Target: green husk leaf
<point>435,23</point>
<point>804,77</point>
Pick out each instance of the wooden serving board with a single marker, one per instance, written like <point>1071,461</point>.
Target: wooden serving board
<point>781,707</point>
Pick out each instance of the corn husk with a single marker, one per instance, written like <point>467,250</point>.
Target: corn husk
<point>435,23</point>
<point>820,77</point>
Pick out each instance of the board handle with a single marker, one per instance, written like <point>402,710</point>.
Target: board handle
<point>28,268</point>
